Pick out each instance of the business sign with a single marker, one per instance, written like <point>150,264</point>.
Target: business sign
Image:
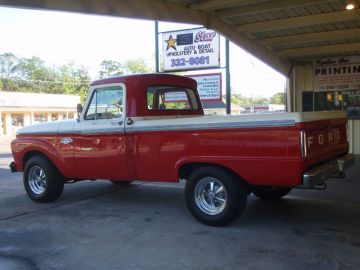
<point>337,73</point>
<point>191,49</point>
<point>209,86</point>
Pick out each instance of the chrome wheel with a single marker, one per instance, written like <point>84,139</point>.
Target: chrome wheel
<point>37,180</point>
<point>210,196</point>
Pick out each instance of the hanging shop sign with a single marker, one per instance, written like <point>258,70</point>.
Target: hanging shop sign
<point>191,49</point>
<point>337,73</point>
<point>209,86</point>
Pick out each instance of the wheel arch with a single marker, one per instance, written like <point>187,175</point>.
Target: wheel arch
<point>187,168</point>
<point>32,153</point>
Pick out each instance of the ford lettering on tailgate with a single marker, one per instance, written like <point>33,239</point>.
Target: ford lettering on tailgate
<point>322,142</point>
<point>330,138</point>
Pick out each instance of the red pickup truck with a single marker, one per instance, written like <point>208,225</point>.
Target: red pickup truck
<point>152,128</point>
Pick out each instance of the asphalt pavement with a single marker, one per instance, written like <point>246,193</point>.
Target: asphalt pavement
<point>96,225</point>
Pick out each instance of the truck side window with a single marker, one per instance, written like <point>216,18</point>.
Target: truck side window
<point>106,103</point>
<point>171,98</point>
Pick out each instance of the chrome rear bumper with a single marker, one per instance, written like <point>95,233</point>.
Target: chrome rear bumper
<point>327,170</point>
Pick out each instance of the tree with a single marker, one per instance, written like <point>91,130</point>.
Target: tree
<point>74,80</point>
<point>110,68</point>
<point>278,98</point>
<point>136,66</point>
<point>9,71</point>
<point>33,75</point>
<point>9,66</point>
<point>243,100</point>
<point>36,76</point>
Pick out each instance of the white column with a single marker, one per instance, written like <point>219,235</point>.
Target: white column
<point>31,117</point>
<point>8,126</point>
<point>49,117</point>
<point>27,118</point>
<point>1,126</point>
<point>60,116</point>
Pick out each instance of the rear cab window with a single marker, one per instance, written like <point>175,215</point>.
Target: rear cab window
<point>170,98</point>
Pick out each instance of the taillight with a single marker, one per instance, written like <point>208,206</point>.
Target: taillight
<point>303,143</point>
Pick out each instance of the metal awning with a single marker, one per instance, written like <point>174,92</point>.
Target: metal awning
<point>279,32</point>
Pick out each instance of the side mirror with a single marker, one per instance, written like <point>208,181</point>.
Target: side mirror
<point>79,109</point>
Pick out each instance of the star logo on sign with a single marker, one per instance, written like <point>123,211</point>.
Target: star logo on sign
<point>171,43</point>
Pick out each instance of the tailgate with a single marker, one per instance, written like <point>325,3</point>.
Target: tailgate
<point>324,139</point>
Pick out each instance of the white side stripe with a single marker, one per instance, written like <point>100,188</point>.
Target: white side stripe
<point>199,126</point>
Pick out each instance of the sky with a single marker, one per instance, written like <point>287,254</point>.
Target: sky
<point>59,38</point>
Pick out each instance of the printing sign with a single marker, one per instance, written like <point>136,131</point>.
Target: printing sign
<point>337,73</point>
<point>191,49</point>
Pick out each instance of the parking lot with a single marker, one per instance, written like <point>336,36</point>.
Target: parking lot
<point>96,225</point>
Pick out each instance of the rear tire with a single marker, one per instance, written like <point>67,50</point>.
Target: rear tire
<point>42,180</point>
<point>270,193</point>
<point>214,196</point>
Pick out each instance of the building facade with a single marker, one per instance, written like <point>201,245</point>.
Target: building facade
<point>22,109</point>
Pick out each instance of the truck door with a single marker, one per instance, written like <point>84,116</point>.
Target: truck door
<point>100,146</point>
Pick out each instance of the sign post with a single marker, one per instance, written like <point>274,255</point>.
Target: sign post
<point>157,66</point>
<point>228,86</point>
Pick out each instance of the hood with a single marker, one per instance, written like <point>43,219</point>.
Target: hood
<point>45,128</point>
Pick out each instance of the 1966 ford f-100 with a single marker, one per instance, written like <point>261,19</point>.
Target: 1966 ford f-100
<point>152,128</point>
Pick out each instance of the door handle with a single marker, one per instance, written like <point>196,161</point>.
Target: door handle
<point>129,121</point>
<point>117,123</point>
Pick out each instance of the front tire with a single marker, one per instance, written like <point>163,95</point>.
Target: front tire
<point>214,196</point>
<point>42,181</point>
<point>270,193</point>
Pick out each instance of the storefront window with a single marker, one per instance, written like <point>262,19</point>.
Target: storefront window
<point>54,117</point>
<point>347,100</point>
<point>352,99</point>
<point>40,117</point>
<point>328,101</point>
<point>17,120</point>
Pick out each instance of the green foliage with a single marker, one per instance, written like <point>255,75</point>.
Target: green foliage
<point>242,100</point>
<point>110,68</point>
<point>278,98</point>
<point>137,66</point>
<point>33,75</point>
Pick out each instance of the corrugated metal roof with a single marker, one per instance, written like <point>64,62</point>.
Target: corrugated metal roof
<point>298,19</point>
<point>255,25</point>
